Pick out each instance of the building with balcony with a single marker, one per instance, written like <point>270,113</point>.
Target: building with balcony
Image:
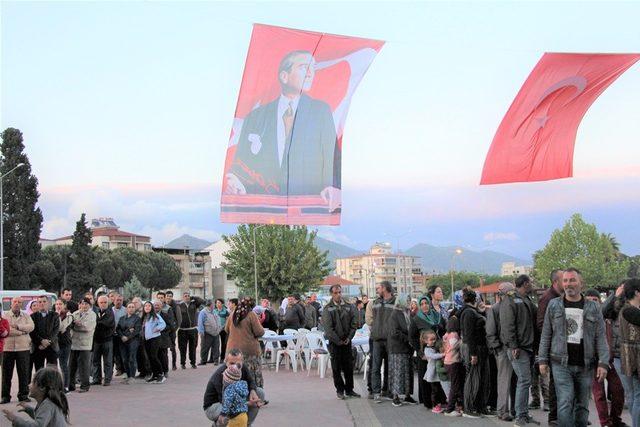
<point>403,271</point>
<point>106,234</point>
<point>224,285</point>
<point>196,271</point>
<point>511,269</point>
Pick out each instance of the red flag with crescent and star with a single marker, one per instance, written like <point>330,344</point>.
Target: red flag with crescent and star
<point>536,138</point>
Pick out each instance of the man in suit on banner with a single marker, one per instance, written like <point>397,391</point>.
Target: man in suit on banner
<point>288,146</point>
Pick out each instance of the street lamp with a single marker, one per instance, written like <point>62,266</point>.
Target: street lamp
<point>458,251</point>
<point>2,227</point>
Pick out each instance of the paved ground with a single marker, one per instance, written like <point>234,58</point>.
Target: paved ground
<point>295,400</point>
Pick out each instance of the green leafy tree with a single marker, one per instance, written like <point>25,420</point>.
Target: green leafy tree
<point>133,288</point>
<point>287,260</point>
<point>166,274</point>
<point>578,244</point>
<point>133,263</point>
<point>108,268</point>
<point>22,220</point>
<point>44,275</point>
<point>81,261</point>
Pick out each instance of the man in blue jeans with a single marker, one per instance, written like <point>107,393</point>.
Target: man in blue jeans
<point>377,317</point>
<point>573,341</point>
<point>518,334</point>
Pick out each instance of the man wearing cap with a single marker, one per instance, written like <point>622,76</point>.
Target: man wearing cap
<point>212,403</point>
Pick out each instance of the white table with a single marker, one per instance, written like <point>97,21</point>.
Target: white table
<point>272,338</point>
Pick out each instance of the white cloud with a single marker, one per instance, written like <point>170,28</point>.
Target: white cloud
<point>497,235</point>
<point>336,237</point>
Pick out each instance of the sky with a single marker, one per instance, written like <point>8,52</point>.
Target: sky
<point>126,109</point>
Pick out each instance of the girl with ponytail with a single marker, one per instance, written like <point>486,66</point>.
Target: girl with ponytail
<point>52,409</point>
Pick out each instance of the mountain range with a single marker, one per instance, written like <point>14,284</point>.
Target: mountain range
<point>435,259</point>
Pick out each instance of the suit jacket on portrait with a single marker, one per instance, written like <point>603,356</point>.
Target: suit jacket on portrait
<point>309,158</point>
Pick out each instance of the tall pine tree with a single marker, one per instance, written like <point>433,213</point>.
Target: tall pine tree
<point>81,264</point>
<point>22,218</point>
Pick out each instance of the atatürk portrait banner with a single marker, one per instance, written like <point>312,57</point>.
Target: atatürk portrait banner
<point>283,162</point>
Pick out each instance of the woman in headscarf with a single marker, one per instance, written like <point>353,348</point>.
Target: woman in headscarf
<point>400,351</point>
<point>243,331</point>
<point>426,319</point>
<point>437,296</point>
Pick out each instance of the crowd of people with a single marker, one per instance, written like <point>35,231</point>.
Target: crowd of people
<point>82,344</point>
<point>473,359</point>
<point>478,360</point>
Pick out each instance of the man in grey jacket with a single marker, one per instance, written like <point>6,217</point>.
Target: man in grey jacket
<point>377,317</point>
<point>496,346</point>
<point>573,342</point>
<point>518,333</point>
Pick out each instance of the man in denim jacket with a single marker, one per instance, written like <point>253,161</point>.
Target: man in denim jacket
<point>574,342</point>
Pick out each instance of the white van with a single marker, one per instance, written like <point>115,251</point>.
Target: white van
<point>27,296</point>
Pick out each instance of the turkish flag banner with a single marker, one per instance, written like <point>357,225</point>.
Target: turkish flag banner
<point>536,138</point>
<point>283,162</point>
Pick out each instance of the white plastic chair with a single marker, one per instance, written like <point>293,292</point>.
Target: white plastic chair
<point>316,342</point>
<point>291,353</point>
<point>314,329</point>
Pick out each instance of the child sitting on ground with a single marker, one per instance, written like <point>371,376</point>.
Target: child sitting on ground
<point>432,353</point>
<point>235,393</point>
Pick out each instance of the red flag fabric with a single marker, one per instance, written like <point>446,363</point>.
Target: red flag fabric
<point>536,138</point>
<point>283,163</point>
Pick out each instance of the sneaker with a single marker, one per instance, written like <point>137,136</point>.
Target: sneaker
<point>396,402</point>
<point>454,413</point>
<point>489,413</point>
<point>370,396</point>
<point>183,366</point>
<point>352,394</point>
<point>151,379</point>
<point>83,390</point>
<point>531,420</point>
<point>520,422</point>
<point>545,408</point>
<point>160,379</point>
<point>505,417</point>
<point>437,409</point>
<point>193,366</point>
<point>119,373</point>
<point>410,400</point>
<point>106,384</point>
<point>340,396</point>
<point>377,398</point>
<point>471,415</point>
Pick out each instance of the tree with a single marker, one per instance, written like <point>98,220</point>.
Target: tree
<point>578,244</point>
<point>22,220</point>
<point>166,273</point>
<point>81,260</point>
<point>287,260</point>
<point>133,288</point>
<point>133,263</point>
<point>462,279</point>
